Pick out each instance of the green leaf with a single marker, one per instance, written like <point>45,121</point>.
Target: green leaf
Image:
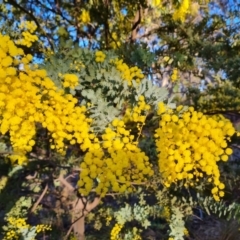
<point>14,170</point>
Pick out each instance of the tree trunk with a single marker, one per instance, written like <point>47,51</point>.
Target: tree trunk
<point>80,211</point>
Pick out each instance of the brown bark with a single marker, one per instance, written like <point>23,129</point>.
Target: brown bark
<point>80,211</point>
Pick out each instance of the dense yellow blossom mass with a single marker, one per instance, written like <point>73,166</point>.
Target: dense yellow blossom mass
<point>128,73</point>
<point>99,56</point>
<point>189,146</point>
<point>120,163</point>
<point>174,76</point>
<point>28,97</point>
<point>17,224</point>
<point>28,38</point>
<point>115,231</point>
<point>118,166</point>
<point>138,113</point>
<point>182,11</point>
<point>156,3</point>
<point>70,80</point>
<point>84,17</point>
<point>115,41</point>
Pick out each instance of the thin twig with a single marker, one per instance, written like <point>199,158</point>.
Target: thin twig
<point>39,199</point>
<point>15,4</point>
<point>65,183</point>
<point>68,233</point>
<point>30,177</point>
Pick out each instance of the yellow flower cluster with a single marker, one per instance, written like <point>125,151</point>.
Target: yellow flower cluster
<point>185,231</point>
<point>99,56</point>
<point>174,76</point>
<point>182,11</point>
<point>73,238</point>
<point>10,235</point>
<point>136,234</point>
<point>70,80</point>
<point>29,25</point>
<point>138,113</point>
<point>29,97</point>
<point>108,220</point>
<point>77,65</point>
<point>43,228</point>
<point>115,166</point>
<point>3,182</point>
<point>85,17</point>
<point>156,3</point>
<point>47,53</point>
<point>189,145</point>
<point>115,231</point>
<point>161,108</point>
<point>115,173</point>
<point>165,213</point>
<point>63,119</point>
<point>137,237</point>
<point>119,138</point>
<point>20,223</point>
<point>28,37</point>
<point>115,43</point>
<point>129,74</point>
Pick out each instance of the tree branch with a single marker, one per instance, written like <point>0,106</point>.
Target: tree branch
<point>15,4</point>
<point>39,199</point>
<point>136,24</point>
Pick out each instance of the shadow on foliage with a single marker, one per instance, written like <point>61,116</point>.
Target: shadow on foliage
<point>17,182</point>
